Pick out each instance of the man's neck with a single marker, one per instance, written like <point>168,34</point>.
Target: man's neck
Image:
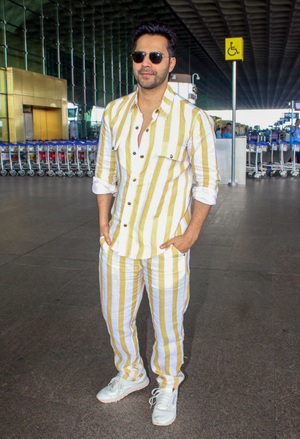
<point>150,100</point>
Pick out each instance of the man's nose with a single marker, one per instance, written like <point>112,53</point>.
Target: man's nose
<point>146,61</point>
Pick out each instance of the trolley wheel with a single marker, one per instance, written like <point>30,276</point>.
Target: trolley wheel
<point>60,173</point>
<point>31,173</point>
<point>257,176</point>
<point>283,174</point>
<point>50,173</point>
<point>295,174</point>
<point>80,174</point>
<point>70,174</point>
<point>263,174</point>
<point>4,173</point>
<point>22,173</point>
<point>40,173</point>
<point>272,173</point>
<point>13,173</point>
<point>90,174</point>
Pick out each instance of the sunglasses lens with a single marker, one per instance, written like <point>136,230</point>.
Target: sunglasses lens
<point>155,57</point>
<point>138,57</point>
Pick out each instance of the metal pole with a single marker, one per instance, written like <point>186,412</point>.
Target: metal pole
<point>292,124</point>
<point>233,182</point>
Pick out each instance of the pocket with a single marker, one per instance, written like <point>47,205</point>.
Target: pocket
<point>178,251</point>
<point>102,240</point>
<point>172,151</point>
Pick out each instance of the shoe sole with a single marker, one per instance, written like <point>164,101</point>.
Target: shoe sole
<point>141,386</point>
<point>165,424</point>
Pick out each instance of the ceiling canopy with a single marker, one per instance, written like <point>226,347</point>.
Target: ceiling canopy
<point>269,76</point>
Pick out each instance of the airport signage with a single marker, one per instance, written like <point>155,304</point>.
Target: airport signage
<point>234,49</point>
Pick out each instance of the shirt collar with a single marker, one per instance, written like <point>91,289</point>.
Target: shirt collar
<point>166,103</point>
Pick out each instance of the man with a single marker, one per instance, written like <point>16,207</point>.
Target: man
<point>295,136</point>
<point>227,134</point>
<point>152,143</point>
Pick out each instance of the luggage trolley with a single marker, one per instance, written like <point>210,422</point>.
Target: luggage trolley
<point>31,159</point>
<point>261,147</point>
<point>4,159</point>
<point>295,166</point>
<point>252,169</point>
<point>283,167</point>
<point>90,157</point>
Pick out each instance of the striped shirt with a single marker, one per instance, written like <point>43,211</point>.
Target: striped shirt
<point>153,183</point>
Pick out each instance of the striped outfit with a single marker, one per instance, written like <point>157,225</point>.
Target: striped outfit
<point>152,185</point>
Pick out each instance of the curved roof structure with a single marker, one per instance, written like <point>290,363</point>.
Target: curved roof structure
<point>269,76</point>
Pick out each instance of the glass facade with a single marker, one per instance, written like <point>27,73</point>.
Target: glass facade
<point>88,43</point>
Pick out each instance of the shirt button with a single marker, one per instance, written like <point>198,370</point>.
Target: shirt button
<point>142,156</point>
<point>125,225</point>
<point>134,179</point>
<point>136,128</point>
<point>134,153</point>
<point>147,130</point>
<point>156,111</point>
<point>171,156</point>
<point>113,148</point>
<point>129,204</point>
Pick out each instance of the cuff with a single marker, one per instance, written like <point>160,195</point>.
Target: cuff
<point>205,195</point>
<point>101,187</point>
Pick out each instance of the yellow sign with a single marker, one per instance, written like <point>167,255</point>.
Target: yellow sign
<point>234,49</point>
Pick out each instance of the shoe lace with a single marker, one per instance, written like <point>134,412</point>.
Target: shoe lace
<point>116,382</point>
<point>164,397</point>
<point>155,394</point>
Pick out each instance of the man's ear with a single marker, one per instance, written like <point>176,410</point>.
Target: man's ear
<point>172,63</point>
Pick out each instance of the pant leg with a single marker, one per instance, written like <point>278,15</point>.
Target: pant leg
<point>167,282</point>
<point>121,291</point>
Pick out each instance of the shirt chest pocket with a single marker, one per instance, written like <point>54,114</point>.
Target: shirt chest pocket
<point>172,151</point>
<point>119,150</point>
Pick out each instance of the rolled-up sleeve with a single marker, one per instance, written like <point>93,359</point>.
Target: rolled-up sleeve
<point>202,150</point>
<point>105,180</point>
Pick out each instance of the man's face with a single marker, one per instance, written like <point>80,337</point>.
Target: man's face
<point>229,127</point>
<point>147,74</point>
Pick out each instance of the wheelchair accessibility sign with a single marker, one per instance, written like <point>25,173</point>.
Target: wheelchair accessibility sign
<point>234,49</point>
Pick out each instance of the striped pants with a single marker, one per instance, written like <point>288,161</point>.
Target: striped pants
<point>122,281</point>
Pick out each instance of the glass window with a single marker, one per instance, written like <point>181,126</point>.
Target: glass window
<point>34,44</point>
<point>2,57</point>
<point>14,37</point>
<point>50,30</point>
<point>14,14</point>
<point>51,59</point>
<point>35,63</point>
<point>15,58</point>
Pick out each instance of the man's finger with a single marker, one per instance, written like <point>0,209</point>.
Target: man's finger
<point>167,244</point>
<point>107,238</point>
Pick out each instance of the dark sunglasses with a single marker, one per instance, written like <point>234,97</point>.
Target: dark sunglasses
<point>155,57</point>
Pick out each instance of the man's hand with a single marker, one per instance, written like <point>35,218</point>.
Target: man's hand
<point>104,202</point>
<point>104,231</point>
<point>183,243</point>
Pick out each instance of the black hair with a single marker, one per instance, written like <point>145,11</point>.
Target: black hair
<point>229,123</point>
<point>156,27</point>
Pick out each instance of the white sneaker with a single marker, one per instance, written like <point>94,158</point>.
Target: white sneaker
<point>165,401</point>
<point>118,388</point>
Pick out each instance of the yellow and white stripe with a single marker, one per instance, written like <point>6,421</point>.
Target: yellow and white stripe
<point>122,281</point>
<point>153,182</point>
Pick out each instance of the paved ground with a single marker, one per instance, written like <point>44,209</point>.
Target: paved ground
<point>242,327</point>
